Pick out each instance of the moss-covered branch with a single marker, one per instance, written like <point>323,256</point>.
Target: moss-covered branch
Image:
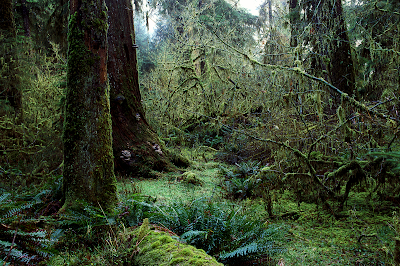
<point>312,173</point>
<point>301,72</point>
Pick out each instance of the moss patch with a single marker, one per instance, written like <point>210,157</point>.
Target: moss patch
<point>158,248</point>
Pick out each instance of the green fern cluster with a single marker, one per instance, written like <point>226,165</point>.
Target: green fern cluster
<point>135,209</point>
<point>393,158</point>
<point>22,242</point>
<point>241,182</point>
<point>221,229</point>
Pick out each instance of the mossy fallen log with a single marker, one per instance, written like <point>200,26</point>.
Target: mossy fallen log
<point>155,247</point>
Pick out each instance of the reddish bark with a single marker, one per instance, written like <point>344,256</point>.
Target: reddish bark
<point>135,145</point>
<point>88,162</point>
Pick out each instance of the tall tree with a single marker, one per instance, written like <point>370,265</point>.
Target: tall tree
<point>136,146</point>
<point>327,34</point>
<point>376,29</point>
<point>8,66</point>
<point>294,17</point>
<point>88,159</point>
<point>25,17</point>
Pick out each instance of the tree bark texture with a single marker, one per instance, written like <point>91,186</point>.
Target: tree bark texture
<point>136,146</point>
<point>8,67</point>
<point>88,158</point>
<point>330,42</point>
<point>341,68</point>
<point>294,15</point>
<point>25,16</point>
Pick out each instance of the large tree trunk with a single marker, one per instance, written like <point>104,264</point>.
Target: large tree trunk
<point>330,41</point>
<point>136,146</point>
<point>9,86</point>
<point>341,68</point>
<point>88,159</point>
<point>25,16</point>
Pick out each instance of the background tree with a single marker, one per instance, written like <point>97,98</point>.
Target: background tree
<point>325,31</point>
<point>88,159</point>
<point>8,67</point>
<point>374,31</point>
<point>136,146</point>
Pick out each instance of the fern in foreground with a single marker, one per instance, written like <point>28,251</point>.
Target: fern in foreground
<point>221,229</point>
<point>21,241</point>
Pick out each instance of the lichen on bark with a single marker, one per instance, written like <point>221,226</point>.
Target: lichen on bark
<point>88,158</point>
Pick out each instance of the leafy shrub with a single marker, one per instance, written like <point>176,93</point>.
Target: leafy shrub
<point>31,145</point>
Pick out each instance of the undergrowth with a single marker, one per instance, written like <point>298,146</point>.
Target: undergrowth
<point>23,238</point>
<point>221,230</point>
<point>31,147</point>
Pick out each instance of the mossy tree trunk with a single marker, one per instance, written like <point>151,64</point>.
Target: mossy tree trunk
<point>154,247</point>
<point>9,81</point>
<point>328,36</point>
<point>136,146</point>
<point>341,67</point>
<point>88,159</point>
<point>294,16</point>
<point>25,16</point>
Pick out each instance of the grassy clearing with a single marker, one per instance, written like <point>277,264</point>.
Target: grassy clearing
<point>364,236</point>
<point>170,187</point>
<point>317,238</point>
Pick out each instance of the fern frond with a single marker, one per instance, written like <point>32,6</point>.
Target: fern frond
<point>392,157</point>
<point>190,235</point>
<point>3,197</point>
<point>18,210</point>
<point>251,248</point>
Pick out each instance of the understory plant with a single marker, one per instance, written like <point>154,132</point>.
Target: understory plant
<point>221,229</point>
<point>22,240</point>
<point>241,181</point>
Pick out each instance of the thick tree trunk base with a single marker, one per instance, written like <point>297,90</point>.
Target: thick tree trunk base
<point>137,148</point>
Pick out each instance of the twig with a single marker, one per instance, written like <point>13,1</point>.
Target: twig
<point>12,245</point>
<point>364,235</point>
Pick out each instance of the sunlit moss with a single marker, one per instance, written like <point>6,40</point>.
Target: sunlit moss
<point>158,248</point>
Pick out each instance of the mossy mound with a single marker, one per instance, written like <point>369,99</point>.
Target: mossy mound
<point>190,178</point>
<point>156,248</point>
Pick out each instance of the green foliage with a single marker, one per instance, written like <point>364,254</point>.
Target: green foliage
<point>22,242</point>
<point>241,182</point>
<point>220,229</point>
<point>393,158</point>
<point>31,147</point>
<point>135,209</point>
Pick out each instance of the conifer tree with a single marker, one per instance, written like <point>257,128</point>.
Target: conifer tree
<point>323,28</point>
<point>137,148</point>
<point>88,159</point>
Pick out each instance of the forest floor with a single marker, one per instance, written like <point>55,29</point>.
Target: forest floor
<point>364,236</point>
